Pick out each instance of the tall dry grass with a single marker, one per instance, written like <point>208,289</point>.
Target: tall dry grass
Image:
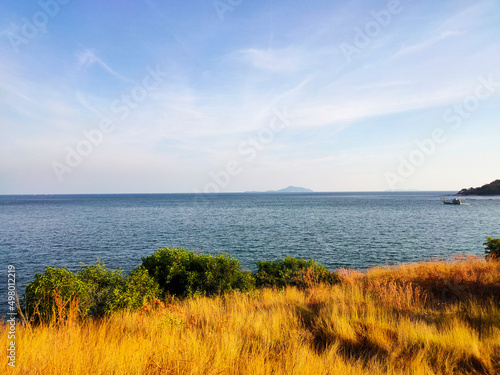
<point>439,317</point>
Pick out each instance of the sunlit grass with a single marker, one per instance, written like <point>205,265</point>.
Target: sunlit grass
<point>423,318</point>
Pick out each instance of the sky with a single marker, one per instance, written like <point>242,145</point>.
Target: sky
<point>236,95</point>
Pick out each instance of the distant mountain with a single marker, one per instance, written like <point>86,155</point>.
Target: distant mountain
<point>489,189</point>
<point>292,189</point>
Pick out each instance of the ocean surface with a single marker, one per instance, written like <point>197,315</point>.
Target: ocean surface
<point>355,230</point>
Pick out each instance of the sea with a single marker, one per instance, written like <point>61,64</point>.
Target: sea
<point>338,230</point>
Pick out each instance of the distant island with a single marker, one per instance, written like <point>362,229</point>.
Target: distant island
<point>489,189</point>
<point>290,189</point>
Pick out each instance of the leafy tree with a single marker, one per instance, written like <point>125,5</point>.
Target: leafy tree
<point>492,247</point>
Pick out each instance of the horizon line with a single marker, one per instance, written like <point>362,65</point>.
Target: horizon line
<point>239,192</point>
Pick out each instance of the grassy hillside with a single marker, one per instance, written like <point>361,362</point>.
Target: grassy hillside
<point>423,318</point>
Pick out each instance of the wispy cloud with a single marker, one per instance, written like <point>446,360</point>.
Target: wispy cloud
<point>87,58</point>
<point>284,60</point>
<point>427,43</point>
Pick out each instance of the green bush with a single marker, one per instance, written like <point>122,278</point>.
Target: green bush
<point>183,273</point>
<point>99,290</point>
<point>101,287</point>
<point>39,295</point>
<point>138,289</point>
<point>174,271</point>
<point>492,247</point>
<point>292,271</point>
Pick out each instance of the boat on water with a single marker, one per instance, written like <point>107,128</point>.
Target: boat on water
<point>455,201</point>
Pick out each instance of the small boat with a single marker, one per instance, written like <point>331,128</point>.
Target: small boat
<point>455,201</point>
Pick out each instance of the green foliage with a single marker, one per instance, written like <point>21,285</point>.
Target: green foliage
<point>175,271</point>
<point>138,289</point>
<point>292,271</point>
<point>101,287</point>
<point>183,273</point>
<point>492,247</point>
<point>99,290</point>
<point>39,295</point>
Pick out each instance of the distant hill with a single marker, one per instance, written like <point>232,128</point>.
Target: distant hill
<point>290,189</point>
<point>489,189</point>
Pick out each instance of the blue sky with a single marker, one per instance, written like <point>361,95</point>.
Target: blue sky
<point>248,95</point>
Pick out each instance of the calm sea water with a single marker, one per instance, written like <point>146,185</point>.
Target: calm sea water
<point>337,229</point>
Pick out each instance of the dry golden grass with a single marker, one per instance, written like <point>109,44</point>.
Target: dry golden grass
<point>424,318</point>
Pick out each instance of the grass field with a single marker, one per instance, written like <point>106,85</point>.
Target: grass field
<point>440,317</point>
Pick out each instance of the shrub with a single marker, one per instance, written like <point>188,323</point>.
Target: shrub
<point>138,290</point>
<point>98,290</point>
<point>101,286</point>
<point>492,247</point>
<point>292,271</point>
<point>183,273</point>
<point>39,297</point>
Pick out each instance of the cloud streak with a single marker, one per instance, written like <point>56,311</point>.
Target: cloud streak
<point>86,58</point>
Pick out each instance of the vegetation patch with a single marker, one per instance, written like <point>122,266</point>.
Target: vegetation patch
<point>438,317</point>
<point>492,247</point>
<point>183,273</point>
<point>94,291</point>
<point>292,271</point>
